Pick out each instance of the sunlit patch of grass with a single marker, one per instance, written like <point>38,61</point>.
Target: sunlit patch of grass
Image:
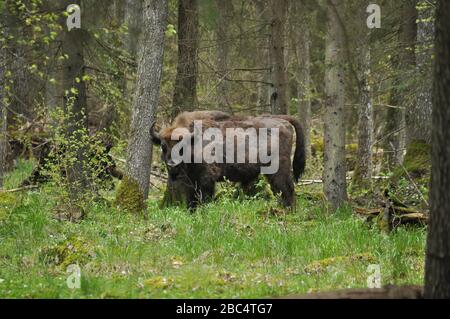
<point>228,248</point>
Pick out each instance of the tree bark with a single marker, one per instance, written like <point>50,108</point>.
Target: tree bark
<point>133,19</point>
<point>334,175</point>
<point>3,110</point>
<point>419,114</point>
<point>21,94</point>
<point>74,98</point>
<point>225,10</point>
<point>185,91</point>
<point>146,96</point>
<point>263,94</point>
<point>363,170</point>
<point>404,63</point>
<point>437,268</point>
<point>302,44</point>
<point>278,97</point>
<point>53,89</point>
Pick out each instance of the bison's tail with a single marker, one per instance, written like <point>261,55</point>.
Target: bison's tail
<point>299,162</point>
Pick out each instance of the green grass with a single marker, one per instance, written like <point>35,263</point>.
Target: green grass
<point>226,249</point>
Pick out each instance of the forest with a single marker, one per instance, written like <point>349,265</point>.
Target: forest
<point>224,148</point>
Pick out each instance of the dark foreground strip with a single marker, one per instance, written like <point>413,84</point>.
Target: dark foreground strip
<point>207,308</point>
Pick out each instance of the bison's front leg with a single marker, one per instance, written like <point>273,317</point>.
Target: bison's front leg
<point>200,194</point>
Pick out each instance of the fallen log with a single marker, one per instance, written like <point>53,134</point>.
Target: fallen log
<point>394,215</point>
<point>19,189</point>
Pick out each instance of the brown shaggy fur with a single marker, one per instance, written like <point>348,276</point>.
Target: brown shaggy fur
<point>202,177</point>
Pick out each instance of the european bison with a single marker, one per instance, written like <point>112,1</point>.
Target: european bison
<point>235,148</point>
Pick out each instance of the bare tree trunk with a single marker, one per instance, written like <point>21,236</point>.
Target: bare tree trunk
<point>185,91</point>
<point>74,98</point>
<point>278,98</point>
<point>363,170</point>
<point>20,94</point>
<point>185,94</point>
<point>133,19</point>
<point>395,127</point>
<point>146,96</point>
<point>437,268</point>
<point>335,186</point>
<point>302,44</point>
<point>404,63</point>
<point>263,95</point>
<point>3,112</point>
<point>53,96</point>
<point>130,13</point>
<point>419,114</point>
<point>225,10</point>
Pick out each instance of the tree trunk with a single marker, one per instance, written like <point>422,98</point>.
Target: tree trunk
<point>334,174</point>
<point>146,96</point>
<point>363,170</point>
<point>302,44</point>
<point>21,93</point>
<point>437,268</point>
<point>74,98</point>
<point>225,10</point>
<point>404,63</point>
<point>130,13</point>
<point>53,90</point>
<point>419,114</point>
<point>185,91</point>
<point>133,19</point>
<point>185,94</point>
<point>278,98</point>
<point>3,111</point>
<point>263,94</point>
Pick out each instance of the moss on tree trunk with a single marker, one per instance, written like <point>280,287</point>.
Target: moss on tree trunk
<point>129,196</point>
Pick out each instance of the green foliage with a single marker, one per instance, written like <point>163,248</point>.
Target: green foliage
<point>7,203</point>
<point>227,249</point>
<point>72,152</point>
<point>129,196</point>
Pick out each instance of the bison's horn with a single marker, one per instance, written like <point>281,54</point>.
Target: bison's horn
<point>155,136</point>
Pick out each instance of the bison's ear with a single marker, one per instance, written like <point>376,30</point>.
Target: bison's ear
<point>154,136</point>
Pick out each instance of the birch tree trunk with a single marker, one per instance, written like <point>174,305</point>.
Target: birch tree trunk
<point>334,175</point>
<point>146,95</point>
<point>278,98</point>
<point>437,268</point>
<point>185,91</point>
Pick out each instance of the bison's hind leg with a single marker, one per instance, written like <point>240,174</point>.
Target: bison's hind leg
<point>280,183</point>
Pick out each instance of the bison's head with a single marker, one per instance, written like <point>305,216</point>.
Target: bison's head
<point>172,151</point>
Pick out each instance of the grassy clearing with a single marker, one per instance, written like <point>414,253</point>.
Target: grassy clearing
<point>226,249</point>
